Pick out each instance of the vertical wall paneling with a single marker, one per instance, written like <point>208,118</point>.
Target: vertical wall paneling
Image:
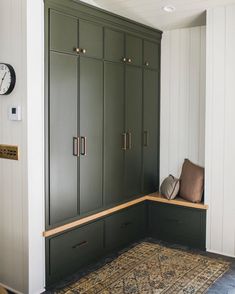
<point>182,99</point>
<point>220,121</point>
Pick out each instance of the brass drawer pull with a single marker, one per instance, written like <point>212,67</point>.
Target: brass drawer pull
<point>146,63</point>
<point>84,145</point>
<point>124,146</point>
<point>129,60</point>
<point>79,244</point>
<point>129,140</point>
<point>76,146</point>
<point>124,59</point>
<point>146,138</point>
<point>83,51</point>
<point>77,50</point>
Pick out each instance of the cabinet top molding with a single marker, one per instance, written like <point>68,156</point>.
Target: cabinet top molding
<point>78,9</point>
<point>156,197</point>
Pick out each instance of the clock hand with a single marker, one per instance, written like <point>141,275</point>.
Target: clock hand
<point>2,80</point>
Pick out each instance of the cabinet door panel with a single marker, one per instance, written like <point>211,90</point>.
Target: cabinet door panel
<point>63,127</point>
<point>133,158</point>
<point>113,128</point>
<point>91,38</point>
<point>151,132</point>
<point>152,54</point>
<point>91,127</point>
<point>63,32</point>
<point>134,49</point>
<point>114,45</point>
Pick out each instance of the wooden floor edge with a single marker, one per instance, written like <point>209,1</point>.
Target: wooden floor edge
<point>106,212</point>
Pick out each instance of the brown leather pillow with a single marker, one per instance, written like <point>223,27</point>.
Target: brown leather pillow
<point>191,182</point>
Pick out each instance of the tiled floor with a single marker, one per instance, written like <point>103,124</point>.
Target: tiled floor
<point>224,285</point>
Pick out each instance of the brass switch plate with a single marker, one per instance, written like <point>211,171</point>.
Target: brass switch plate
<point>9,152</point>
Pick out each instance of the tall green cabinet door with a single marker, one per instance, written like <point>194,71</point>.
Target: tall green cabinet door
<point>113,45</point>
<point>90,39</point>
<point>133,127</point>
<point>62,129</point>
<point>151,55</point>
<point>113,132</point>
<point>91,134</point>
<point>134,50</point>
<point>63,32</point>
<point>151,132</point>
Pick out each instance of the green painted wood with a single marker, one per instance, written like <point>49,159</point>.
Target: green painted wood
<point>134,49</point>
<point>113,130</point>
<point>125,226</point>
<point>113,45</point>
<point>177,224</point>
<point>91,127</point>
<point>133,126</point>
<point>151,132</point>
<point>91,38</point>
<point>152,54</point>
<point>63,32</point>
<point>62,126</point>
<point>70,251</point>
<point>84,10</point>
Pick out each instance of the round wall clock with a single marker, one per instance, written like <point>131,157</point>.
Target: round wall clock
<point>7,79</point>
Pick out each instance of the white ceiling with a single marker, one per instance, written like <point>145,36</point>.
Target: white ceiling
<point>188,13</point>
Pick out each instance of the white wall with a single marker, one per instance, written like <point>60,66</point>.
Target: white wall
<point>21,182</point>
<point>183,73</point>
<point>220,135</point>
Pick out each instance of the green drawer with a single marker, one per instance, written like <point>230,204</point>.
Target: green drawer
<point>186,226</point>
<point>70,251</point>
<point>124,227</point>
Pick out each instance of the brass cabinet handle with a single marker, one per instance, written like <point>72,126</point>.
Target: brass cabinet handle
<point>76,146</point>
<point>129,60</point>
<point>79,244</point>
<point>124,59</point>
<point>146,138</point>
<point>77,50</point>
<point>84,146</point>
<point>129,140</point>
<point>124,146</point>
<point>146,63</point>
<point>83,51</point>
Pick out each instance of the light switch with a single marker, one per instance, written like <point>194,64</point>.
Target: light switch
<point>14,113</point>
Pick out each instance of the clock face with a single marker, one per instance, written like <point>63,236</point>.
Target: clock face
<point>7,79</point>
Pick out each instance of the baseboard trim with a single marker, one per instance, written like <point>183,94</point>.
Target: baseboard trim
<point>220,253</point>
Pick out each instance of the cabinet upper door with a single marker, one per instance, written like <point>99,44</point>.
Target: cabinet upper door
<point>151,132</point>
<point>133,154</point>
<point>62,128</point>
<point>134,49</point>
<point>91,134</point>
<point>91,38</point>
<point>113,45</point>
<point>113,132</point>
<point>63,32</point>
<point>151,55</point>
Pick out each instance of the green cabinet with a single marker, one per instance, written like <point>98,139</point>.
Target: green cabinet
<point>134,51</point>
<point>133,129</point>
<point>91,134</point>
<point>113,132</point>
<point>151,132</point>
<point>113,45</point>
<point>62,105</point>
<point>151,55</point>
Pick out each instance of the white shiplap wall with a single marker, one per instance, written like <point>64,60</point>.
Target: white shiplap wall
<point>220,135</point>
<point>183,72</point>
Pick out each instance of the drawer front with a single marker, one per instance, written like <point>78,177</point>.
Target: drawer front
<point>178,224</point>
<point>124,227</point>
<point>68,252</point>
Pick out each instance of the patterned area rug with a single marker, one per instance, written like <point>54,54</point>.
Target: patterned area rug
<point>152,268</point>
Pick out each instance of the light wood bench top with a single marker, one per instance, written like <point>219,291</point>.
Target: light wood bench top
<point>151,197</point>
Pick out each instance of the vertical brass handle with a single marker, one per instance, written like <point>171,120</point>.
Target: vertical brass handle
<point>124,141</point>
<point>76,146</point>
<point>84,145</point>
<point>146,138</point>
<point>129,140</point>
